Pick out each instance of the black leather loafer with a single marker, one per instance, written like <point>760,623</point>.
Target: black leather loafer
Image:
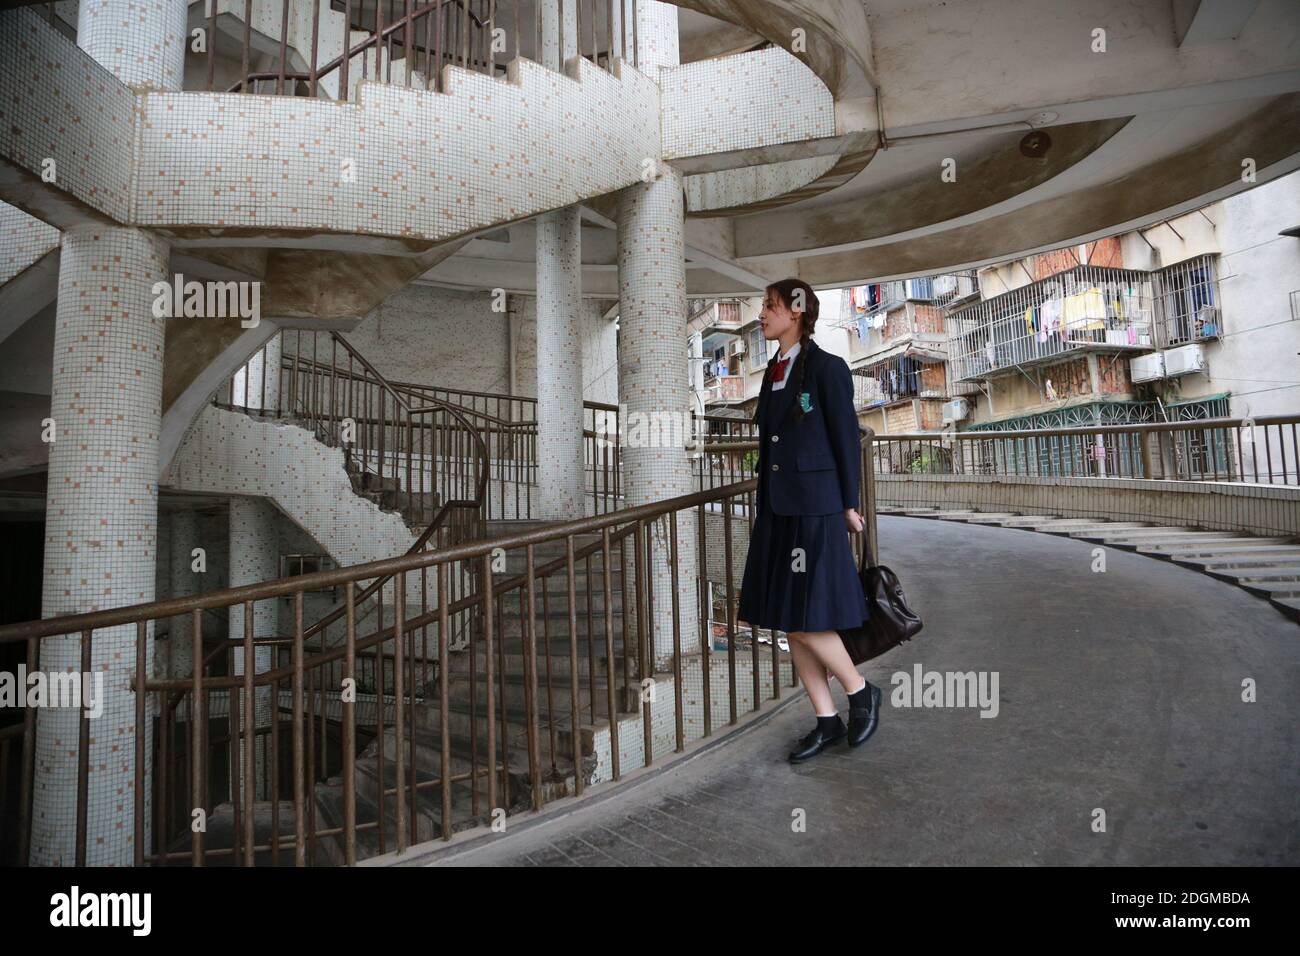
<point>863,721</point>
<point>817,741</point>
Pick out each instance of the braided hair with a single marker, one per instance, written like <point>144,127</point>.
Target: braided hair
<point>790,291</point>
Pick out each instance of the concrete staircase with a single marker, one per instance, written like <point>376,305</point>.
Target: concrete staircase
<point>467,715</point>
<point>1267,567</point>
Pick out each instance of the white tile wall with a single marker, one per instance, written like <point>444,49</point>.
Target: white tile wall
<point>58,103</point>
<point>760,98</point>
<point>23,240</point>
<point>427,165</point>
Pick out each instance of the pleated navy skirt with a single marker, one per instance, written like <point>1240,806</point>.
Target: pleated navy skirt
<point>822,593</point>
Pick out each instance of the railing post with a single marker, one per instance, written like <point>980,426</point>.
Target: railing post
<point>350,728</point>
<point>299,764</point>
<point>869,492</point>
<point>196,737</point>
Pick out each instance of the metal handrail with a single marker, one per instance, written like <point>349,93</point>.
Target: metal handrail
<point>971,434</point>
<point>308,677</point>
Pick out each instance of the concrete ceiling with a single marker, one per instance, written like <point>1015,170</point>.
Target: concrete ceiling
<point>1156,124</point>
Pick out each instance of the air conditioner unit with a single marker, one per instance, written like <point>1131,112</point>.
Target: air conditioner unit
<point>738,347</point>
<point>1184,360</point>
<point>956,410</point>
<point>1147,368</point>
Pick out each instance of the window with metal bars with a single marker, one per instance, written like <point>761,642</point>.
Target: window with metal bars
<point>1187,301</point>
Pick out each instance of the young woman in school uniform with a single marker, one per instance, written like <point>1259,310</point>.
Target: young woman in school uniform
<point>800,575</point>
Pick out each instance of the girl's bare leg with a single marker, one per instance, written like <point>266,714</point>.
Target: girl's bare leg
<point>829,651</point>
<point>812,674</point>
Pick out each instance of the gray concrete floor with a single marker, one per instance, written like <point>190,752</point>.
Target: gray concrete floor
<point>1118,690</point>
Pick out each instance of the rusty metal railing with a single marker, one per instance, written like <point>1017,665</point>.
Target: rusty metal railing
<point>1261,450</point>
<point>419,38</point>
<point>505,721</point>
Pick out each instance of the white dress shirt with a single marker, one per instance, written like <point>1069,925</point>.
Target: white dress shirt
<point>794,350</point>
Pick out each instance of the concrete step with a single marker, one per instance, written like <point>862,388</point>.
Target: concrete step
<point>556,600</point>
<point>982,517</point>
<point>1164,549</point>
<point>1246,548</point>
<point>1269,589</point>
<point>1082,526</point>
<point>559,662</point>
<point>512,687</point>
<point>1022,520</point>
<point>1290,606</point>
<point>1147,533</point>
<point>460,720</point>
<point>510,627</point>
<point>1243,562</point>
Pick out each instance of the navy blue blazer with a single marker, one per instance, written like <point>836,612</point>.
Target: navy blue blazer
<point>813,466</point>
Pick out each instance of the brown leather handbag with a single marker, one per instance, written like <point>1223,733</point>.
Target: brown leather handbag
<point>889,620</point>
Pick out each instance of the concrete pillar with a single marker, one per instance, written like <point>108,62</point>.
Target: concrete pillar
<point>184,534</point>
<point>654,388</point>
<point>254,558</point>
<point>560,449</point>
<point>101,525</point>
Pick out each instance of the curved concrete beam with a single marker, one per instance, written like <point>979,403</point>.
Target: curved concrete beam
<point>999,175</point>
<point>1205,172</point>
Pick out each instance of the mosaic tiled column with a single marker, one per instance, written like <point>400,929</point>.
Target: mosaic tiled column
<point>654,387</point>
<point>142,43</point>
<point>183,531</point>
<point>559,366</point>
<point>101,524</point>
<point>101,527</point>
<point>559,32</point>
<point>254,558</point>
<point>656,36</point>
<point>559,330</point>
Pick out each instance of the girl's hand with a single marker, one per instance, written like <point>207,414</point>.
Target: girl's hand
<point>854,519</point>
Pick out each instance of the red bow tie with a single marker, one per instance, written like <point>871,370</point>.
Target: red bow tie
<point>778,370</point>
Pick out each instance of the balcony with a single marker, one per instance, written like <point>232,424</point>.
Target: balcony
<point>898,314</point>
<point>725,317</point>
<point>899,379</point>
<point>1086,308</point>
<point>724,389</point>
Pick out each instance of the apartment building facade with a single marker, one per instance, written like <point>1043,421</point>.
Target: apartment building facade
<point>1194,317</point>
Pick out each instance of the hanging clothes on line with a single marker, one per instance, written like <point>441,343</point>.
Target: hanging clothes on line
<point>1094,309</point>
<point>1050,321</point>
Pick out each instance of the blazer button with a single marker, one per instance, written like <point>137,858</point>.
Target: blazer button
<point>776,438</point>
<point>776,467</point>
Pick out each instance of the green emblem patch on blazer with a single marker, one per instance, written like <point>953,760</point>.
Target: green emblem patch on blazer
<point>805,402</point>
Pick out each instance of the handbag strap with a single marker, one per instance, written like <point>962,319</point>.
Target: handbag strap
<point>868,559</point>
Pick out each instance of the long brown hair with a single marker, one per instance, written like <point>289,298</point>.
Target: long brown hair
<point>791,291</point>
